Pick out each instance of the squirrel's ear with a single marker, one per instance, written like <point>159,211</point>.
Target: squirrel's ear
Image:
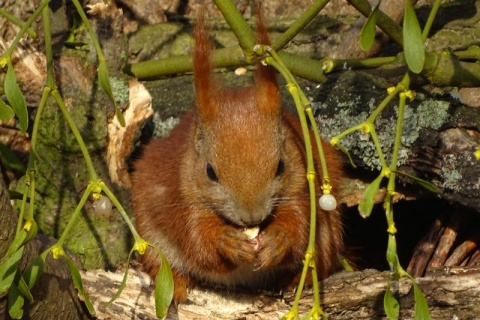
<point>202,70</point>
<point>268,97</point>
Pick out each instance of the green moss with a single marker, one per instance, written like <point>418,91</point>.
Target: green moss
<point>181,45</point>
<point>89,117</point>
<point>153,41</point>
<point>224,38</point>
<point>61,179</point>
<point>99,241</point>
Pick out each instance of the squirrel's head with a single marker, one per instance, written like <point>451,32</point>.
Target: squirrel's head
<point>241,157</point>
<point>240,163</point>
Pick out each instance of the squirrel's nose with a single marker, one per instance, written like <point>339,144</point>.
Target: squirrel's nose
<point>252,218</point>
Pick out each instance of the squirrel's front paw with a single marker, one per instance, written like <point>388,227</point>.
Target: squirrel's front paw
<point>235,246</point>
<point>275,245</point>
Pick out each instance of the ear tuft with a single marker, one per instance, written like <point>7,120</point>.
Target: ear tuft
<point>202,70</point>
<point>265,76</point>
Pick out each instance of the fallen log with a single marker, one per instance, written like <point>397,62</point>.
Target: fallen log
<point>452,293</point>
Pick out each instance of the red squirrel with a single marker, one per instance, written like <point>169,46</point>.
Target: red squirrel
<point>234,163</point>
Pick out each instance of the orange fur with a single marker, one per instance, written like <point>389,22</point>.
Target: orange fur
<point>236,161</point>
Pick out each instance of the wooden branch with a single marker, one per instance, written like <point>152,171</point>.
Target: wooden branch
<point>450,294</point>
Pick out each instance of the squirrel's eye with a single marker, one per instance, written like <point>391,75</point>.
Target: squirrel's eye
<point>280,168</point>
<point>211,173</point>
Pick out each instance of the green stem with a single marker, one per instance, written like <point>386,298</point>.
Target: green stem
<point>316,287</point>
<point>384,103</point>
<point>294,91</point>
<point>96,44</point>
<point>392,256</point>
<point>345,265</point>
<point>303,107</point>
<point>239,26</point>
<point>301,284</point>
<point>24,203</point>
<point>384,22</point>
<point>334,140</point>
<point>25,26</point>
<point>299,24</point>
<point>30,166</point>
<point>120,209</point>
<point>331,65</point>
<point>224,57</point>
<point>472,53</point>
<point>73,218</point>
<point>431,17</point>
<point>299,99</point>
<point>48,48</point>
<point>88,161</point>
<point>313,200</point>
<point>378,147</point>
<point>29,216</point>
<point>36,125</point>
<point>307,68</point>
<point>17,22</point>
<point>318,141</point>
<point>397,144</point>
<point>445,69</point>
<point>405,83</point>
